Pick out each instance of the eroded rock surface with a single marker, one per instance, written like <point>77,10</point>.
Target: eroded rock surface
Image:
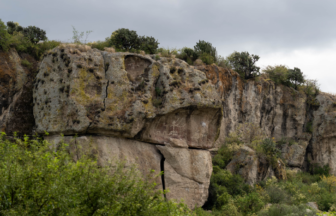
<point>323,150</point>
<point>116,93</point>
<point>111,150</point>
<point>16,88</point>
<point>187,174</point>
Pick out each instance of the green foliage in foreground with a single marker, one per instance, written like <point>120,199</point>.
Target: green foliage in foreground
<point>38,180</point>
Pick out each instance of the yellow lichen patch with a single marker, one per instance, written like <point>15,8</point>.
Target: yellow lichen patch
<point>80,90</point>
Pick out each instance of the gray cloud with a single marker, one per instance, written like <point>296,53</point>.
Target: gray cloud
<point>261,27</point>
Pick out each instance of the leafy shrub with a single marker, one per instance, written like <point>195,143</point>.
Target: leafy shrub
<point>207,58</point>
<point>329,182</point>
<point>4,37</point>
<point>13,27</point>
<point>125,39</point>
<point>269,148</point>
<point>167,52</point>
<point>277,195</point>
<point>284,210</point>
<point>26,63</point>
<point>34,34</point>
<point>99,44</point>
<point>223,185</point>
<point>203,47</point>
<point>244,64</point>
<point>325,200</point>
<point>278,74</point>
<point>188,55</point>
<point>149,44</point>
<point>295,76</point>
<point>223,62</point>
<point>316,169</point>
<point>249,204</point>
<point>37,180</point>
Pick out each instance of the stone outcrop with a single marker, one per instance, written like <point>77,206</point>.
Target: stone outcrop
<point>162,114</point>
<point>252,168</point>
<point>323,126</point>
<point>16,88</point>
<point>169,112</point>
<point>187,174</point>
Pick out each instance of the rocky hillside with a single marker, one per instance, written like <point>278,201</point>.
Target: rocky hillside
<point>162,115</point>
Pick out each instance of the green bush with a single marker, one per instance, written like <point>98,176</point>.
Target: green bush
<point>284,210</point>
<point>38,180</point>
<point>277,195</point>
<point>13,27</point>
<point>249,204</point>
<point>269,147</point>
<point>244,64</point>
<point>295,76</point>
<point>207,50</point>
<point>125,39</point>
<point>278,74</point>
<point>223,185</point>
<point>4,37</point>
<point>316,169</point>
<point>325,200</point>
<point>149,44</point>
<point>34,34</point>
<point>188,55</point>
<point>26,63</point>
<point>207,58</point>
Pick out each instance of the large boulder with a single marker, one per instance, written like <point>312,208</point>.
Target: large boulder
<point>116,94</point>
<point>253,167</point>
<point>187,174</point>
<point>186,171</point>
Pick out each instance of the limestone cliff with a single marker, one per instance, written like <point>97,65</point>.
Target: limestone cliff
<point>162,115</point>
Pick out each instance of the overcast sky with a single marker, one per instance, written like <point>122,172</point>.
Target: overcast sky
<point>296,33</point>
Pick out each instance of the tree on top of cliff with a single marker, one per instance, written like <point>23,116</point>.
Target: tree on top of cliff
<point>13,27</point>
<point>4,37</point>
<point>244,64</point>
<point>296,77</point>
<point>125,39</point>
<point>203,48</point>
<point>34,34</point>
<point>149,44</point>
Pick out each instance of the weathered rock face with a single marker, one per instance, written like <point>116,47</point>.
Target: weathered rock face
<point>16,99</point>
<point>187,174</point>
<point>247,164</point>
<point>280,111</point>
<point>115,93</point>
<point>323,142</point>
<point>294,155</point>
<point>111,150</point>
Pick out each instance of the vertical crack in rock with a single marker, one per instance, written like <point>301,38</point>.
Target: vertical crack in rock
<point>107,85</point>
<point>162,171</point>
<point>106,67</point>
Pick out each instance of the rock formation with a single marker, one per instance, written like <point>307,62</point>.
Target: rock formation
<point>16,98</point>
<point>162,115</point>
